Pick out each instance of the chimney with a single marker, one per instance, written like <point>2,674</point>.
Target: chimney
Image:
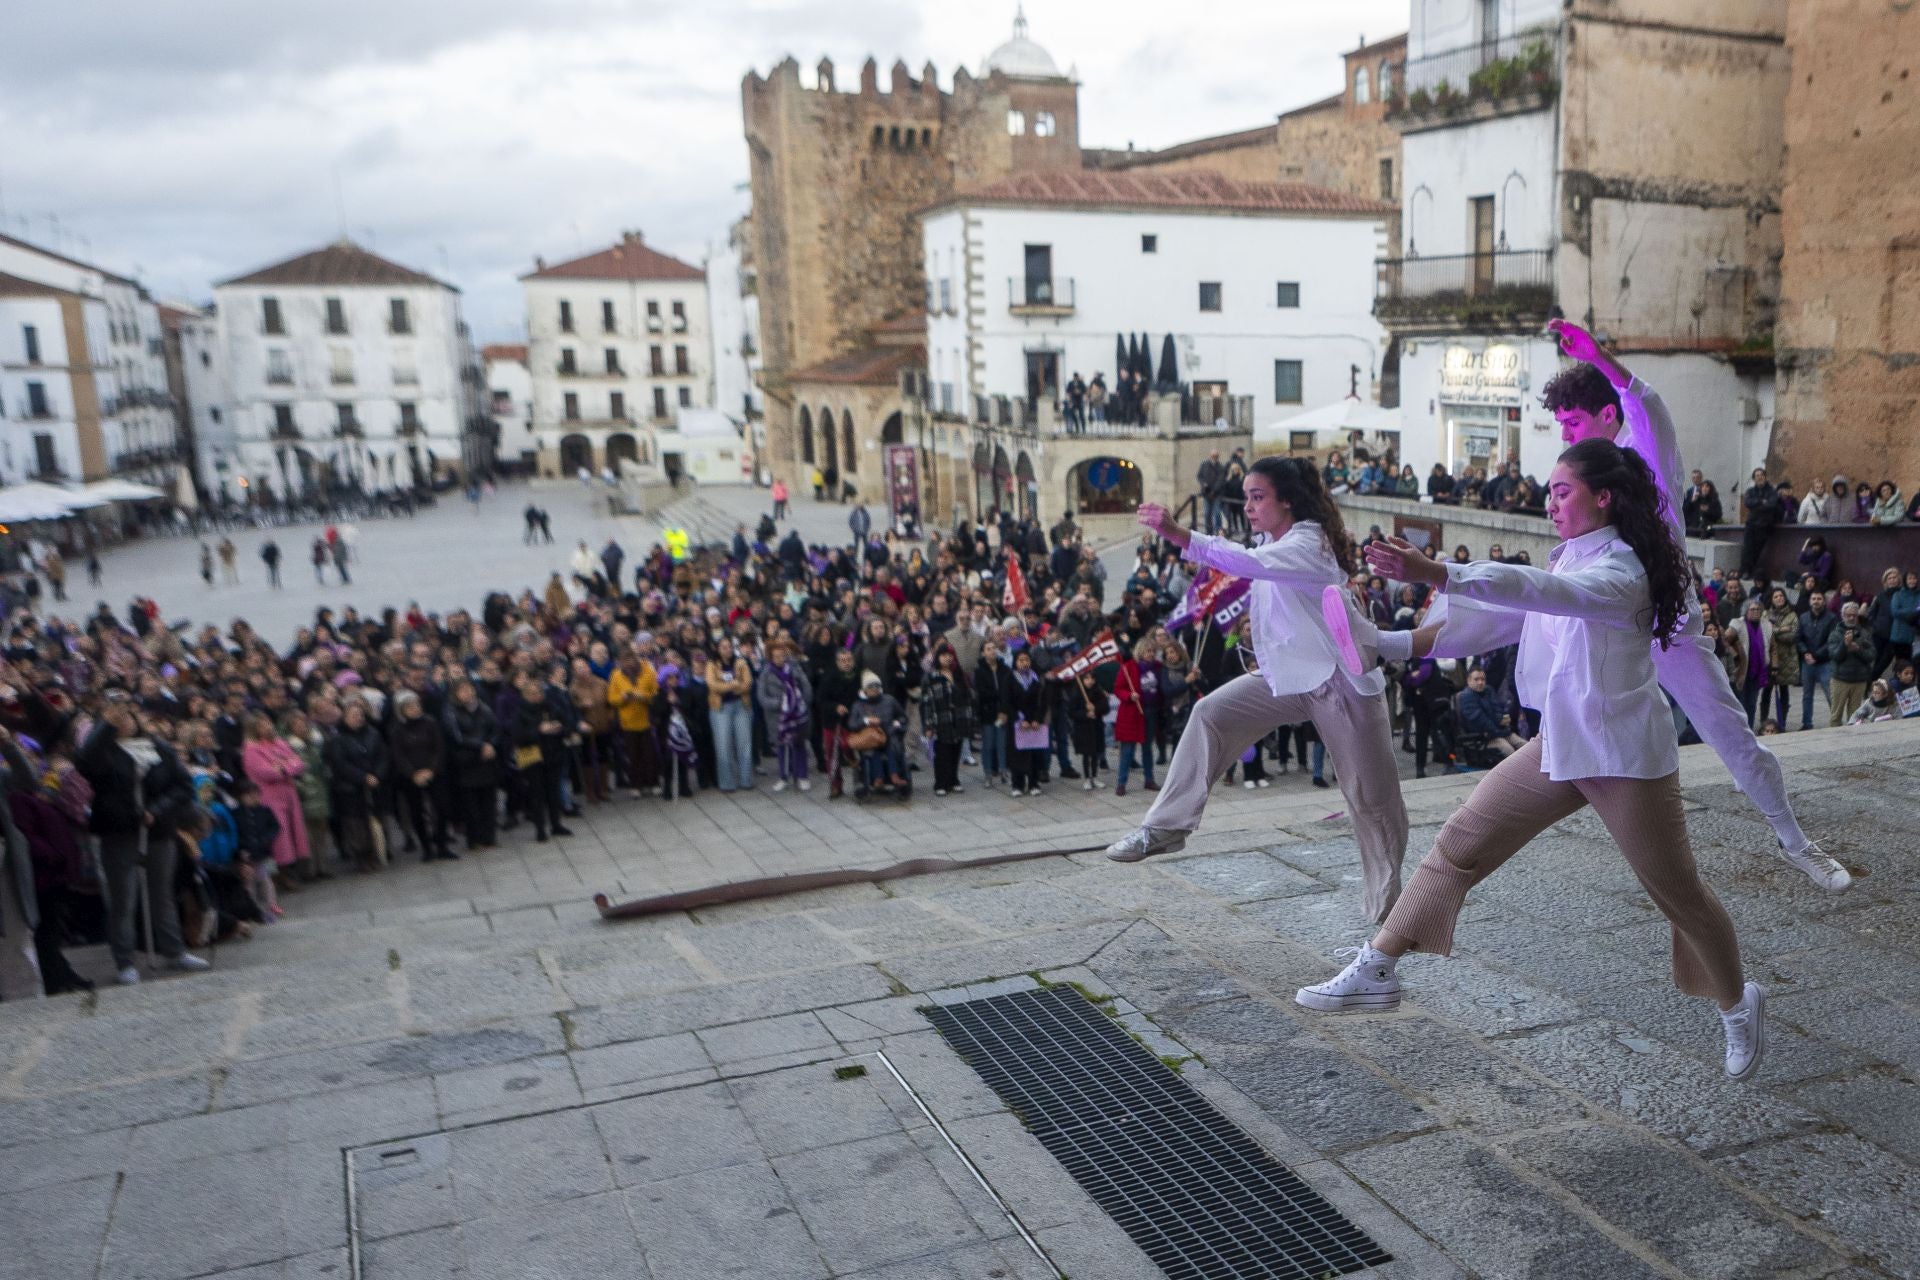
<point>539,263</point>
<point>632,237</point>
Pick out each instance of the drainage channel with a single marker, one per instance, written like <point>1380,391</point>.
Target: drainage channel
<point>1197,1195</point>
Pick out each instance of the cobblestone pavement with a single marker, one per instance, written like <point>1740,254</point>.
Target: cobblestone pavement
<point>459,1070</point>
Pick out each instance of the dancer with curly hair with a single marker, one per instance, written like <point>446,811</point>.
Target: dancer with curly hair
<point>1618,578</point>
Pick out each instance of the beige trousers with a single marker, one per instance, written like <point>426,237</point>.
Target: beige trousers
<point>1354,728</point>
<point>1516,802</point>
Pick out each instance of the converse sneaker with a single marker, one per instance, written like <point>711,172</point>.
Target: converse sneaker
<point>804,785</point>
<point>1819,867</point>
<point>1368,982</point>
<point>1146,842</point>
<point>128,977</point>
<point>187,962</point>
<point>780,785</point>
<point>1745,1024</point>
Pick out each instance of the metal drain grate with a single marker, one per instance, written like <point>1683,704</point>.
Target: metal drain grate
<point>1198,1196</point>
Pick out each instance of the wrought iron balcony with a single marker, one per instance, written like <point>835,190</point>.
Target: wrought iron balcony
<point>1520,71</point>
<point>1468,290</point>
<point>1040,296</point>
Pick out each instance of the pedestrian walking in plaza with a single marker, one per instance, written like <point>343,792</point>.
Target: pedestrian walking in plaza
<point>206,565</point>
<point>340,559</point>
<point>270,556</point>
<point>320,561</point>
<point>96,573</point>
<point>779,500</point>
<point>1304,549</point>
<point>229,562</point>
<point>1606,736</point>
<point>55,567</point>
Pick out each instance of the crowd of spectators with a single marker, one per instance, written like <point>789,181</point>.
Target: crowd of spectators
<point>225,771</point>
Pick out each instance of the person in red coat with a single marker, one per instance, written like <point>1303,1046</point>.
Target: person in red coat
<point>1130,697</point>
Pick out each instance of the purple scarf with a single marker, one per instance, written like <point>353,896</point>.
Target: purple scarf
<point>793,707</point>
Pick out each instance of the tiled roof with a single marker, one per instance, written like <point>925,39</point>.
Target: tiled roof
<point>15,287</point>
<point>505,351</point>
<point>342,262</point>
<point>1200,190</point>
<point>1327,103</point>
<point>61,257</point>
<point>870,366</point>
<point>631,259</point>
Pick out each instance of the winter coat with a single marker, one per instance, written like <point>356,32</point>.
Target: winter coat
<point>992,691</point>
<point>415,745</point>
<point>468,729</point>
<point>1902,606</point>
<point>1032,704</point>
<point>1815,631</point>
<point>1087,711</point>
<point>880,709</point>
<point>120,793</point>
<point>1130,697</point>
<point>946,709</point>
<point>1783,653</point>
<point>353,755</point>
<point>1852,650</point>
<point>770,691</point>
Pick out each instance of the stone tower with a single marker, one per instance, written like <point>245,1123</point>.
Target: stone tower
<point>838,177</point>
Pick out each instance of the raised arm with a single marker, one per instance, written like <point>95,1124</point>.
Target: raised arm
<point>1647,428</point>
<point>1300,559</point>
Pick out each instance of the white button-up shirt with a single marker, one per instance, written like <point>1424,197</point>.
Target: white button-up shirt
<point>1583,626</point>
<point>1287,574</point>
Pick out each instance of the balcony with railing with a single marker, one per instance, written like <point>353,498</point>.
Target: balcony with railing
<point>1497,77</point>
<point>1040,295</point>
<point>1497,291</point>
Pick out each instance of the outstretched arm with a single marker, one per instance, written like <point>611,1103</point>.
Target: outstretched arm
<point>1302,562</point>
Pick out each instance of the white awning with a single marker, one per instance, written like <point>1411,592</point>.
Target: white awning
<point>21,503</point>
<point>1342,415</point>
<point>123,491</point>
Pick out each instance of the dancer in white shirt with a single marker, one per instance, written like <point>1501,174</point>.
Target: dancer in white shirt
<point>1599,399</point>
<point>1298,570</point>
<point>1606,738</point>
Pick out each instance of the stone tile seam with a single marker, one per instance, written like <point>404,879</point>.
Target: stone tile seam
<point>106,1234</point>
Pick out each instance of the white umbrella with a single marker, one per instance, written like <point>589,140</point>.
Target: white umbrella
<point>17,505</point>
<point>122,491</point>
<point>1342,415</point>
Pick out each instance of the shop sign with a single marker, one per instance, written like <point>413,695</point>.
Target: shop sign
<point>1491,376</point>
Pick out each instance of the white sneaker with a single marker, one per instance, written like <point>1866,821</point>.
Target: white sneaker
<point>780,785</point>
<point>128,977</point>
<point>187,962</point>
<point>1820,868</point>
<point>939,791</point>
<point>1019,791</point>
<point>1145,842</point>
<point>804,785</point>
<point>1368,982</point>
<point>1265,783</point>
<point>1248,784</point>
<point>1087,785</point>
<point>1745,1025</point>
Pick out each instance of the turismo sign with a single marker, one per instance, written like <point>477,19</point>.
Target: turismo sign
<point>1492,376</point>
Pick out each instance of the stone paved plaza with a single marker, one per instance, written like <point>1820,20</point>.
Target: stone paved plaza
<point>461,1071</point>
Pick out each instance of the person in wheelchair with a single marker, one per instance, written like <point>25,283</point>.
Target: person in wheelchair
<point>876,731</point>
<point>1486,726</point>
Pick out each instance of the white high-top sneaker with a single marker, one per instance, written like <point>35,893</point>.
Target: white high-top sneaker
<point>1368,982</point>
<point>1820,867</point>
<point>1144,842</point>
<point>1745,1025</point>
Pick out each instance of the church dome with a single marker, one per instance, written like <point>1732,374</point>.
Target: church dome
<point>1020,57</point>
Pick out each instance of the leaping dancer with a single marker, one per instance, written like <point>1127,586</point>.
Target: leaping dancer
<point>1303,550</point>
<point>1606,739</point>
<point>1599,399</point>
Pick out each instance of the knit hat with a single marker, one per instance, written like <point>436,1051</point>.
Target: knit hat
<point>868,680</point>
<point>404,699</point>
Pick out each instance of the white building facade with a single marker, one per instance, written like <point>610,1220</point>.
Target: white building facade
<point>733,302</point>
<point>343,372</point>
<point>1266,291</point>
<point>83,378</point>
<point>1507,219</point>
<point>619,342</point>
<point>510,406</point>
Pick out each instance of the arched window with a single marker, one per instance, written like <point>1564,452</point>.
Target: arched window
<point>1361,86</point>
<point>806,435</point>
<point>1386,80</point>
<point>846,440</point>
<point>1016,123</point>
<point>1043,126</point>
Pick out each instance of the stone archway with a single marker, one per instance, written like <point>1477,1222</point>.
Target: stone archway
<point>1002,480</point>
<point>830,448</point>
<point>982,480</point>
<point>621,447</point>
<point>1104,486</point>
<point>806,436</point>
<point>576,451</point>
<point>891,431</point>
<point>1026,489</point>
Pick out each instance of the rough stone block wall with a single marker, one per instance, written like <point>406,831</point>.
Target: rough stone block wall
<point>1849,332</point>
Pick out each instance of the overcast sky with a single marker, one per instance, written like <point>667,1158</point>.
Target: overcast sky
<point>196,139</point>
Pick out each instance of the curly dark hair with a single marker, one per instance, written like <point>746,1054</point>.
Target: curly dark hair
<point>1604,466</point>
<point>1580,386</point>
<point>1296,482</point>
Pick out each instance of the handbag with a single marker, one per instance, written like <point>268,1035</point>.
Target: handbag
<point>871,738</point>
<point>526,757</point>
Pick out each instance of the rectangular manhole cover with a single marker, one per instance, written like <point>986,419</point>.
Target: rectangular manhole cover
<point>1199,1197</point>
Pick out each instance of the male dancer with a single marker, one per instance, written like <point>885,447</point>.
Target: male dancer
<point>1590,400</point>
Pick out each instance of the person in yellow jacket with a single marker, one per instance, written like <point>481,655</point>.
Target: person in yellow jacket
<point>630,691</point>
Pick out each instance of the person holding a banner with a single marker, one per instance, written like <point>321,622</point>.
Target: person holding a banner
<point>1297,569</point>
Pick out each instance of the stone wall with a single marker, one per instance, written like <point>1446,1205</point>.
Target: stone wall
<point>837,178</point>
<point>1849,336</point>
